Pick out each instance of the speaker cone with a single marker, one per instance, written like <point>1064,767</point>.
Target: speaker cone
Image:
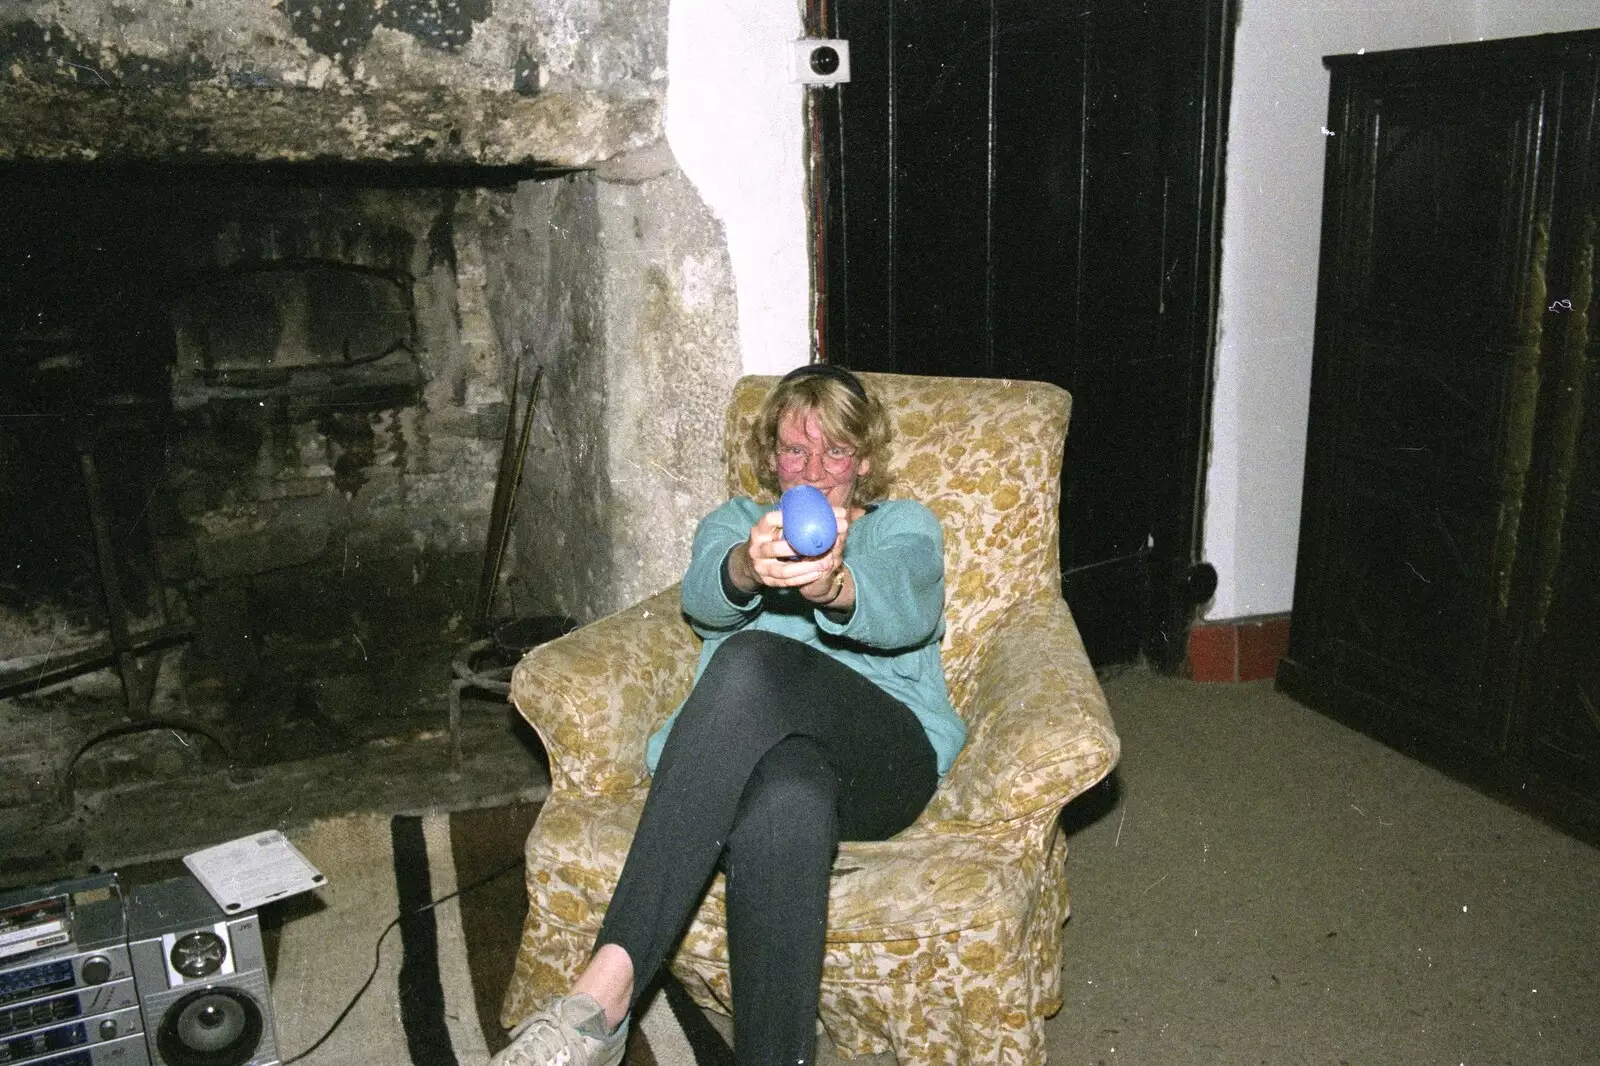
<point>210,1027</point>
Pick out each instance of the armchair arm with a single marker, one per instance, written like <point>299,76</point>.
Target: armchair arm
<point>1039,730</point>
<point>596,694</point>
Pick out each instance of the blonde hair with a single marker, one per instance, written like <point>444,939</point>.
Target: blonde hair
<point>856,422</point>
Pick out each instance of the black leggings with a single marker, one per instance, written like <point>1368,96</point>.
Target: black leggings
<point>779,753</point>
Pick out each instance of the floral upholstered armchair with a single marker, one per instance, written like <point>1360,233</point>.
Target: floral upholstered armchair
<point>944,943</point>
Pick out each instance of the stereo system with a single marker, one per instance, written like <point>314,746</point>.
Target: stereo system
<point>159,976</point>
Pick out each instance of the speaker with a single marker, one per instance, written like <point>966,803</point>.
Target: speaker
<point>201,976</point>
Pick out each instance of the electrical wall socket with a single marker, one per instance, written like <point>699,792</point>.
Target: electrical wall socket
<point>820,61</point>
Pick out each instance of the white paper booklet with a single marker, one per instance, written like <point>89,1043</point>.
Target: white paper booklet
<point>245,873</point>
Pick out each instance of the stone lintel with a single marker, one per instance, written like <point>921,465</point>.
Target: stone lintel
<point>202,124</point>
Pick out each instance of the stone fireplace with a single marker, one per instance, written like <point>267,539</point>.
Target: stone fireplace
<point>280,280</point>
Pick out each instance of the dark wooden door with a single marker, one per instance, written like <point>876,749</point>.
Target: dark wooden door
<point>1028,189</point>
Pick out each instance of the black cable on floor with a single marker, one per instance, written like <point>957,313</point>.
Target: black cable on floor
<point>377,951</point>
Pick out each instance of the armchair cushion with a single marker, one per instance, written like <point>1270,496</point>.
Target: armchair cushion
<point>1038,730</point>
<point>596,694</point>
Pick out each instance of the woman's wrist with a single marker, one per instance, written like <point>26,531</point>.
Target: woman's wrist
<point>740,572</point>
<point>839,577</point>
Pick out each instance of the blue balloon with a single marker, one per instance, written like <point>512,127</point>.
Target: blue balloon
<point>808,522</point>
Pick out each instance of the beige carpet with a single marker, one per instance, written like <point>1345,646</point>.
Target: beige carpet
<point>327,950</point>
<point>1259,884</point>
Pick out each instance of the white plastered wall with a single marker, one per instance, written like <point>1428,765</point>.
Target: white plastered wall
<point>735,124</point>
<point>1270,236</point>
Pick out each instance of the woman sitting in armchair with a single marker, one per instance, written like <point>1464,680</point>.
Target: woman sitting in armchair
<point>818,714</point>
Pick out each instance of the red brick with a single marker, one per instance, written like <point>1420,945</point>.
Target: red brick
<point>1261,644</point>
<point>1213,653</point>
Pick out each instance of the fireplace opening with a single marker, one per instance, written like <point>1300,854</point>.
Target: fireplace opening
<point>251,425</point>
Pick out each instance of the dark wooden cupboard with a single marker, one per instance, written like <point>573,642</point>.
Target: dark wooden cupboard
<point>1447,592</point>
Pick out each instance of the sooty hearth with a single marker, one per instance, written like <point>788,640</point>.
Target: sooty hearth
<point>250,428</point>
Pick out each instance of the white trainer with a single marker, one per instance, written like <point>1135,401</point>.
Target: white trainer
<point>570,1031</point>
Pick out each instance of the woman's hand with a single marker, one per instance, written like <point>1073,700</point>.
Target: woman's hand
<point>767,561</point>
<point>832,587</point>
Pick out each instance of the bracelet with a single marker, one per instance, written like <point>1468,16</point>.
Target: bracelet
<point>838,588</point>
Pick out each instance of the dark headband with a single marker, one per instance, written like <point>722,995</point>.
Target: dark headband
<point>828,370</point>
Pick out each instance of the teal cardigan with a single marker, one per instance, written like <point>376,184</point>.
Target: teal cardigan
<point>895,553</point>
